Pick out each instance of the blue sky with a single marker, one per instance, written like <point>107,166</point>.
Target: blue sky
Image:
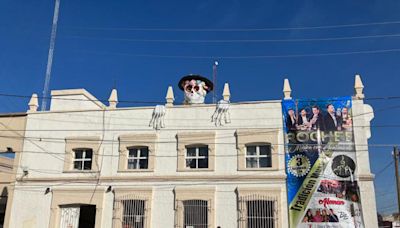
<point>98,45</point>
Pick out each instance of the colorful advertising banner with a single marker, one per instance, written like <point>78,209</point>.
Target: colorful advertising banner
<point>321,163</point>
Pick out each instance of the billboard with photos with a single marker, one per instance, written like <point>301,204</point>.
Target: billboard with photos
<point>321,163</point>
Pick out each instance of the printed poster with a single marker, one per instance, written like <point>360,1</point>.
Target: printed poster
<point>321,163</point>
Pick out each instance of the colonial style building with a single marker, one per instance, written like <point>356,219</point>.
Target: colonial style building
<point>191,165</point>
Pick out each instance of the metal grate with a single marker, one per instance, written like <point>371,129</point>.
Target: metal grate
<point>195,214</point>
<point>69,217</point>
<point>257,211</point>
<point>130,211</point>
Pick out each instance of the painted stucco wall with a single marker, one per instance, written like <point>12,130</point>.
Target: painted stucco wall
<point>363,114</point>
<point>12,127</point>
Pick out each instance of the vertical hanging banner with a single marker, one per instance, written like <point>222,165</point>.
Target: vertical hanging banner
<point>321,163</point>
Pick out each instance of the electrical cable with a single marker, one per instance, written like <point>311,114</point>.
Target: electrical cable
<point>382,170</point>
<point>236,40</point>
<point>241,29</point>
<point>376,51</point>
<point>62,140</point>
<point>161,102</point>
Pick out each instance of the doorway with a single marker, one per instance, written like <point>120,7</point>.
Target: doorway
<point>78,216</point>
<point>87,216</point>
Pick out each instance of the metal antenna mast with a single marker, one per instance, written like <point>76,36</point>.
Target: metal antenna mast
<point>50,56</point>
<point>215,81</point>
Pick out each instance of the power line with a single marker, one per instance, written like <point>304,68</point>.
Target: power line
<point>238,40</point>
<point>173,154</point>
<point>170,128</point>
<point>162,183</point>
<point>377,51</point>
<point>75,99</point>
<point>390,207</point>
<point>179,127</point>
<point>62,140</point>
<point>385,193</point>
<point>382,170</point>
<point>241,29</point>
<point>277,100</point>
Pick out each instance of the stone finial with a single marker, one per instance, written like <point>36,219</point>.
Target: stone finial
<point>33,103</point>
<point>113,100</point>
<point>226,93</point>
<point>170,97</point>
<point>358,87</point>
<point>287,91</point>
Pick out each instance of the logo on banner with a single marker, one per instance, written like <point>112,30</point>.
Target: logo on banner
<point>299,165</point>
<point>328,201</point>
<point>343,166</point>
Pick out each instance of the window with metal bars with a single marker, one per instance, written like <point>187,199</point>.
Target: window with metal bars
<point>132,210</point>
<point>133,213</point>
<point>197,157</point>
<point>138,158</point>
<point>258,156</point>
<point>195,214</point>
<point>257,212</point>
<point>83,159</point>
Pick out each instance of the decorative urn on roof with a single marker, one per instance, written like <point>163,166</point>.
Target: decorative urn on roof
<point>195,88</point>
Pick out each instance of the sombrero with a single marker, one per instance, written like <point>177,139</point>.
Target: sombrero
<point>190,77</point>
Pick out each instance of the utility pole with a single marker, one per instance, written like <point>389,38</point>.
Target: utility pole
<point>396,167</point>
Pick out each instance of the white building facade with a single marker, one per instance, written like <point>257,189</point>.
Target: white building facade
<point>90,165</point>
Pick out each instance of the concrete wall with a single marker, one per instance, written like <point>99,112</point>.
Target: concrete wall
<point>47,133</point>
<point>73,99</point>
<point>12,128</point>
<point>363,114</point>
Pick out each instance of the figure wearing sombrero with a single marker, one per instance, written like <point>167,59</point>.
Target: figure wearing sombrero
<point>195,88</point>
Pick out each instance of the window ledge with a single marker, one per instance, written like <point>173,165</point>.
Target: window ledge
<point>259,169</point>
<point>135,171</point>
<point>81,171</point>
<point>196,170</point>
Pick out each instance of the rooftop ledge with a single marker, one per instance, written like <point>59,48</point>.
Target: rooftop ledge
<point>151,107</point>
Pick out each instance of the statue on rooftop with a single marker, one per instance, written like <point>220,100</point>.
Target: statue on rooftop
<point>195,88</point>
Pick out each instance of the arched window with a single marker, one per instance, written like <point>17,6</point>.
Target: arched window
<point>196,151</point>
<point>137,152</point>
<point>258,150</point>
<point>195,213</point>
<point>82,153</point>
<point>132,208</point>
<point>194,207</point>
